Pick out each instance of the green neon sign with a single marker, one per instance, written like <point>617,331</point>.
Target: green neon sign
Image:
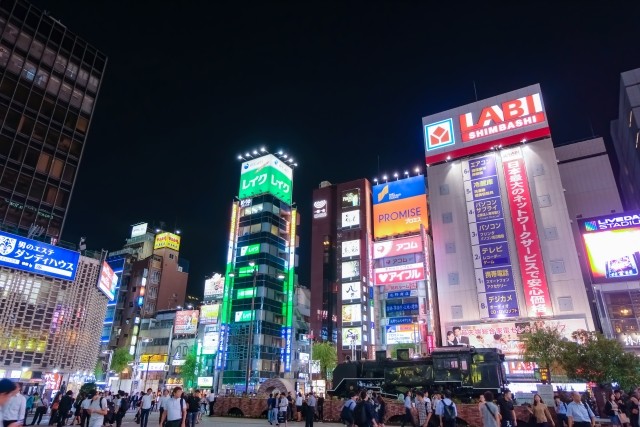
<point>266,174</point>
<point>246,293</point>
<point>244,316</point>
<point>250,250</point>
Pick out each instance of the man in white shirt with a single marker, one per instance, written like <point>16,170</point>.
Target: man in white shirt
<point>175,410</point>
<point>212,400</point>
<point>162,402</point>
<point>145,407</point>
<point>14,410</point>
<point>7,390</point>
<point>98,408</point>
<point>84,414</point>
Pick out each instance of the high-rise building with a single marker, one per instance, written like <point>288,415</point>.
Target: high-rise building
<point>504,252</point>
<point>49,83</point>
<point>258,334</point>
<point>625,133</point>
<point>51,310</point>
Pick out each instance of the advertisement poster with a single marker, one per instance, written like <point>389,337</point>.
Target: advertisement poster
<point>399,274</point>
<point>351,198</point>
<point>350,219</point>
<point>499,305</point>
<point>214,287</point>
<point>186,322</point>
<point>210,340</point>
<point>401,334</point>
<point>37,257</point>
<point>397,247</point>
<point>108,281</point>
<point>351,291</point>
<point>612,245</point>
<point>350,248</point>
<point>351,336</point>
<point>266,174</point>
<point>400,216</point>
<point>167,240</point>
<point>209,313</point>
<point>350,269</point>
<point>351,313</point>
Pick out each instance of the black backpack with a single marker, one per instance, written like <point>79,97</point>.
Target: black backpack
<point>346,414</point>
<point>124,405</point>
<point>360,414</point>
<point>449,412</point>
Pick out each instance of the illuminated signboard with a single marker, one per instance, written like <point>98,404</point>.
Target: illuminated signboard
<point>139,229</point>
<point>350,219</point>
<point>186,322</point>
<point>401,334</point>
<point>289,289</point>
<point>250,250</point>
<point>214,287</point>
<point>37,257</point>
<point>507,336</point>
<point>399,207</point>
<point>245,293</point>
<point>351,313</point>
<point>205,382</point>
<point>532,271</point>
<point>108,281</point>
<point>351,336</point>
<point>351,291</point>
<point>209,313</point>
<point>350,248</point>
<point>478,127</point>
<point>350,269</point>
<point>243,316</point>
<point>319,209</point>
<point>612,245</point>
<point>351,198</point>
<point>210,340</point>
<point>399,274</point>
<point>167,240</point>
<point>151,367</point>
<point>395,247</point>
<point>266,174</point>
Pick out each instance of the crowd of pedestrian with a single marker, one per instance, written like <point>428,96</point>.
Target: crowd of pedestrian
<point>285,407</point>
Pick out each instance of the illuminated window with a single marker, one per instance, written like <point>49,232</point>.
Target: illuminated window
<point>637,138</point>
<point>630,117</point>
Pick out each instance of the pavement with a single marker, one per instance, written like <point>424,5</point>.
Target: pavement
<point>154,419</point>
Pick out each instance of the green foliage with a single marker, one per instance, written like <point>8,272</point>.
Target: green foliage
<point>189,370</point>
<point>544,346</point>
<point>121,358</point>
<point>88,388</point>
<point>98,372</point>
<point>327,354</point>
<point>393,349</point>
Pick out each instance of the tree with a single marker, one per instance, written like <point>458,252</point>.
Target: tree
<point>546,347</point>
<point>327,354</point>
<point>594,358</point>
<point>393,349</point>
<point>189,370</point>
<point>98,372</point>
<point>120,361</point>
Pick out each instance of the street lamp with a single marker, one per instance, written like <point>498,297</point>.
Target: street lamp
<point>250,338</point>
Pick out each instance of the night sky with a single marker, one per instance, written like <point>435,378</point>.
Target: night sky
<point>342,87</point>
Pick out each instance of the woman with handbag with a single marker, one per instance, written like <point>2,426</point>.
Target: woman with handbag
<point>612,410</point>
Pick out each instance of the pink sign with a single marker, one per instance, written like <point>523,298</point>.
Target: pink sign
<point>399,274</point>
<point>534,279</point>
<point>394,247</point>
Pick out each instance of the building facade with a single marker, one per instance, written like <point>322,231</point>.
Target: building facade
<point>48,324</point>
<point>257,331</point>
<point>625,133</point>
<point>505,258</point>
<point>49,83</point>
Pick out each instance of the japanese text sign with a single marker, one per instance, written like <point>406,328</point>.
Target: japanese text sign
<point>266,174</point>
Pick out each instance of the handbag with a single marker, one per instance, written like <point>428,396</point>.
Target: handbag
<point>623,418</point>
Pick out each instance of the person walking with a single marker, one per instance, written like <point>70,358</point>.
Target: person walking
<point>540,412</point>
<point>42,405</point>
<point>193,408</point>
<point>489,411</point>
<point>98,408</point>
<point>579,413</point>
<point>447,411</point>
<point>175,411</point>
<point>7,390</point>
<point>507,411</point>
<point>84,411</point>
<point>162,402</point>
<point>145,407</point>
<point>212,401</point>
<point>66,404</point>
<point>408,417</point>
<point>14,410</point>
<point>272,408</point>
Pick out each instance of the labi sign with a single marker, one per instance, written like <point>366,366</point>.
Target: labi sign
<point>266,174</point>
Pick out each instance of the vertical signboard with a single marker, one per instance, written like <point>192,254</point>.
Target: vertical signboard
<point>289,289</point>
<point>534,279</point>
<point>227,291</point>
<point>497,297</point>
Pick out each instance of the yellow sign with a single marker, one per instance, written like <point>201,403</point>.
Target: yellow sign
<point>167,240</point>
<point>153,358</point>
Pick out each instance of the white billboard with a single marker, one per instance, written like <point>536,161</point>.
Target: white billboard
<point>350,219</point>
<point>350,248</point>
<point>351,291</point>
<point>351,313</point>
<point>350,269</point>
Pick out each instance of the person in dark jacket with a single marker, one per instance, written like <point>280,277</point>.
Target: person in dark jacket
<point>369,412</point>
<point>66,404</point>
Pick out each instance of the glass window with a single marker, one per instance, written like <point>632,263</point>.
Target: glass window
<point>9,178</point>
<point>93,84</point>
<point>18,151</point>
<point>56,168</point>
<point>87,104</point>
<point>23,41</point>
<point>71,120</point>
<point>13,119</point>
<point>11,34</point>
<point>47,107</point>
<point>72,71</point>
<point>26,125</point>
<point>65,92</point>
<point>64,144</point>
<point>42,77</point>
<point>82,124</point>
<point>22,186</point>
<point>29,71</point>
<point>36,49</point>
<point>44,162</point>
<point>69,173</point>
<point>52,137</point>
<point>83,77</point>
<point>62,199</point>
<point>54,85</point>
<point>39,132</point>
<point>32,157</point>
<point>76,98</point>
<point>4,56</point>
<point>48,57</point>
<point>5,145</point>
<point>35,99</point>
<point>61,64</point>
<point>15,63</point>
<point>50,194</point>
<point>76,148</point>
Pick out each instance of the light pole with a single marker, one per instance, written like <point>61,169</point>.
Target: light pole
<point>250,338</point>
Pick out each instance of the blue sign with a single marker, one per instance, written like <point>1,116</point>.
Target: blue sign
<point>502,304</point>
<point>397,190</point>
<point>37,257</point>
<point>488,209</point>
<point>483,188</point>
<point>286,351</point>
<point>498,279</point>
<point>221,357</point>
<point>400,320</point>
<point>481,167</point>
<point>491,231</point>
<point>401,307</point>
<point>495,254</point>
<point>401,294</point>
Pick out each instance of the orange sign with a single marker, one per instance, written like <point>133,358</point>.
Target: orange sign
<point>400,216</point>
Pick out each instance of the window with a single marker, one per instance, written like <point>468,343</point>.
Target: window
<point>23,41</point>
<point>93,84</point>
<point>18,151</point>
<point>10,34</point>
<point>62,199</point>
<point>4,56</point>
<point>447,218</point>
<point>65,92</point>
<point>454,278</point>
<point>87,104</point>
<point>565,304</point>
<point>44,163</point>
<point>72,71</point>
<point>82,124</point>
<point>64,144</point>
<point>69,173</point>
<point>76,98</point>
<point>29,71</point>
<point>15,63</point>
<point>36,50</point>
<point>456,312</point>
<point>37,189</point>
<point>48,57</point>
<point>61,64</point>
<point>25,126</point>
<point>39,132</point>
<point>83,77</point>
<point>56,169</point>
<point>42,77</point>
<point>53,86</point>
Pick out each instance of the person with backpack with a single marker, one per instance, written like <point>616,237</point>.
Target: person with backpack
<point>490,411</point>
<point>97,410</point>
<point>363,413</point>
<point>193,408</point>
<point>123,407</point>
<point>175,411</point>
<point>272,408</point>
<point>346,414</point>
<point>447,411</point>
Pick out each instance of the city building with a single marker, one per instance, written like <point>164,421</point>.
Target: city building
<point>52,307</point>
<point>49,84</point>
<point>505,258</point>
<point>625,133</point>
<point>341,235</point>
<point>258,335</point>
